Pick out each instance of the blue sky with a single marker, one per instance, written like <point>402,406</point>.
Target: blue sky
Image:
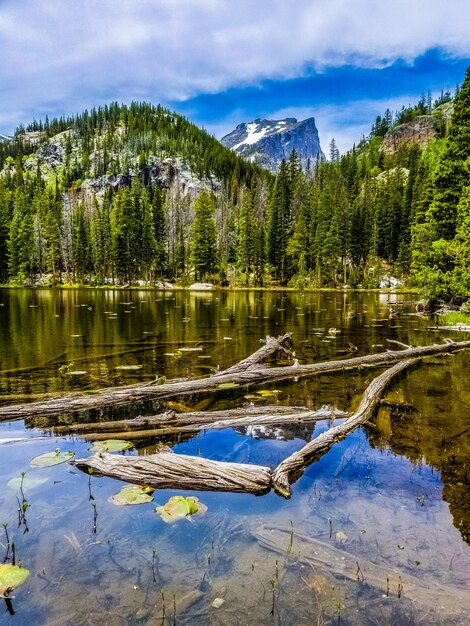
<point>222,62</point>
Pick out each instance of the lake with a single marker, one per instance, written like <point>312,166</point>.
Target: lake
<point>376,532</point>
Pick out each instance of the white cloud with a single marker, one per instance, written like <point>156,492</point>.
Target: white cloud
<point>65,53</point>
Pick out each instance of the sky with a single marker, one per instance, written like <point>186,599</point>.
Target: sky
<point>224,62</point>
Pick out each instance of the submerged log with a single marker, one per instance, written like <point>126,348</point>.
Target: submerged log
<point>125,396</point>
<point>166,470</point>
<point>386,580</point>
<point>291,468</point>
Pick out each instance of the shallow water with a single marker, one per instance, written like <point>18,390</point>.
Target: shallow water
<point>376,532</point>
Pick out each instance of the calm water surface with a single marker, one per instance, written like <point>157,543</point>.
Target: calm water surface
<point>376,532</point>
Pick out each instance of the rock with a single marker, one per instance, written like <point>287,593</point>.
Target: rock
<point>52,154</point>
<point>201,287</point>
<point>419,131</point>
<point>163,285</point>
<point>390,282</point>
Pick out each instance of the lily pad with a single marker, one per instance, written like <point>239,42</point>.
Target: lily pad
<point>132,494</point>
<point>11,576</point>
<point>26,482</point>
<point>227,386</point>
<point>179,507</point>
<point>112,445</point>
<point>128,367</point>
<point>268,393</point>
<point>51,458</point>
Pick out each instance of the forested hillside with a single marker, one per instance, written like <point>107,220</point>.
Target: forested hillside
<point>125,194</point>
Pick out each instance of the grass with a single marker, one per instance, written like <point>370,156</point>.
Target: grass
<point>454,318</point>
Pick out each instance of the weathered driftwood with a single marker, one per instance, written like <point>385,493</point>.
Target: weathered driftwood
<point>262,419</point>
<point>169,470</point>
<point>124,396</point>
<point>271,345</point>
<point>291,468</point>
<point>171,422</point>
<point>166,470</point>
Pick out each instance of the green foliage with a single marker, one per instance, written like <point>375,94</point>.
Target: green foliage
<point>203,239</point>
<point>441,251</point>
<point>347,221</point>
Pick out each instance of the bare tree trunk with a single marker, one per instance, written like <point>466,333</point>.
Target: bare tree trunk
<point>291,468</point>
<point>166,470</point>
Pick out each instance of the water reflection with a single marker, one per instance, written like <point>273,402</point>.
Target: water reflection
<point>373,532</point>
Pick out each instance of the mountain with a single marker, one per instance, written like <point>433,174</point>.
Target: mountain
<point>267,142</point>
<point>112,191</point>
<point>4,137</point>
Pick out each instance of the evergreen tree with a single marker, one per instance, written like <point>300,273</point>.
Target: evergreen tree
<point>279,222</point>
<point>460,248</point>
<point>247,236</point>
<point>80,249</point>
<point>21,239</point>
<point>203,238</point>
<point>148,243</point>
<point>452,174</point>
<point>5,214</point>
<point>159,230</point>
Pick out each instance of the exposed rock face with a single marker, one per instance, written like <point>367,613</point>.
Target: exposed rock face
<point>170,173</point>
<point>52,154</point>
<point>267,142</point>
<point>420,131</point>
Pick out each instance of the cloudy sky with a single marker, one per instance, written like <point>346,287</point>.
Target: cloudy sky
<point>222,62</point>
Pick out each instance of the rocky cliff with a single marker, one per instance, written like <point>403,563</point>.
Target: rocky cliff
<point>419,131</point>
<point>267,142</point>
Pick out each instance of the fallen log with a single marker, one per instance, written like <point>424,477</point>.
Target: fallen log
<point>166,470</point>
<point>289,470</point>
<point>124,396</point>
<point>289,419</point>
<point>170,422</point>
<point>72,403</point>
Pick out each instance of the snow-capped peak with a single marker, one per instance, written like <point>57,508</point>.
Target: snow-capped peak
<point>267,142</point>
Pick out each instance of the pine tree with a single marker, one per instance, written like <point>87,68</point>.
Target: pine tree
<point>460,248</point>
<point>21,239</point>
<point>203,237</point>
<point>5,215</point>
<point>121,235</point>
<point>279,222</point>
<point>247,236</point>
<point>452,174</point>
<point>148,243</point>
<point>80,248</point>
<point>159,230</point>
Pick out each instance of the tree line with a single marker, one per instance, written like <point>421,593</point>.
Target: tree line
<point>351,220</point>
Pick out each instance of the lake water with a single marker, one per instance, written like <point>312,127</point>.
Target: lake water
<point>376,532</point>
